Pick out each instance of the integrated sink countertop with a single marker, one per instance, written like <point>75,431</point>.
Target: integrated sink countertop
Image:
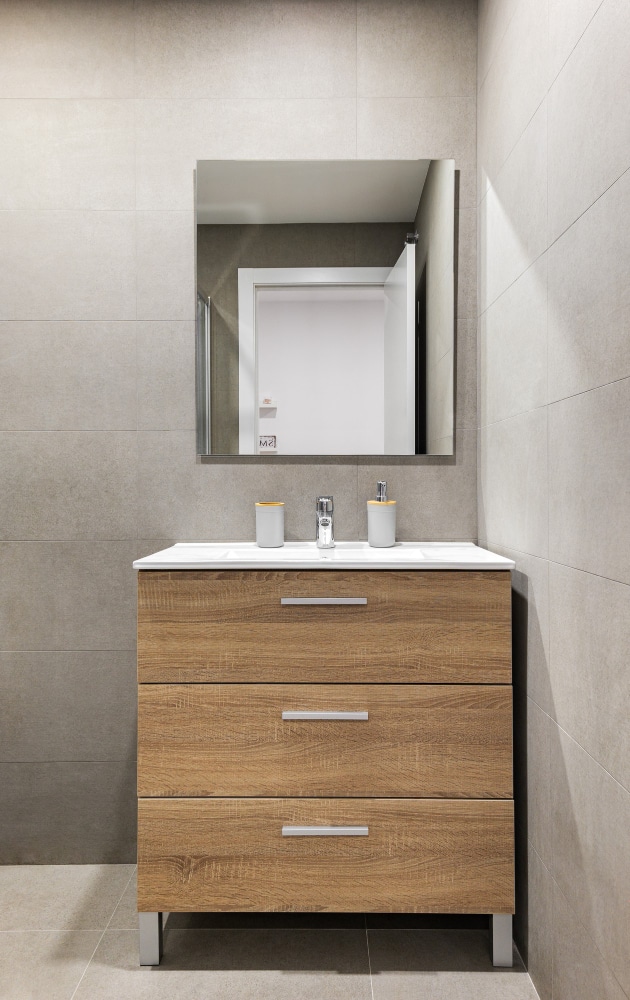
<point>305,555</point>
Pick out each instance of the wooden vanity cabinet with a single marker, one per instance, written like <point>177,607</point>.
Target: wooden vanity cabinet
<point>338,757</point>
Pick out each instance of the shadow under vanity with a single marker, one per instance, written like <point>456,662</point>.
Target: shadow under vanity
<point>315,736</point>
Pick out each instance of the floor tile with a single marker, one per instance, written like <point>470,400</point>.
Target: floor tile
<point>60,897</point>
<point>442,965</point>
<point>244,964</point>
<point>44,965</point>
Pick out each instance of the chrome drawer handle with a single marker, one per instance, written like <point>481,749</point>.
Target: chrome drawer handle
<point>330,716</point>
<point>323,600</point>
<point>324,831</point>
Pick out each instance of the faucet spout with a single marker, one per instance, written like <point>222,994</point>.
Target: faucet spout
<point>324,527</point>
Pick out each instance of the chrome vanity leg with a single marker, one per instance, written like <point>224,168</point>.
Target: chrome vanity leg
<point>501,930</point>
<point>150,928</point>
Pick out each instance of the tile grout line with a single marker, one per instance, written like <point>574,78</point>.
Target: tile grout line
<point>367,942</point>
<point>111,917</point>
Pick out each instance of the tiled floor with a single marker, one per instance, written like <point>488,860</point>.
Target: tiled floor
<point>68,932</point>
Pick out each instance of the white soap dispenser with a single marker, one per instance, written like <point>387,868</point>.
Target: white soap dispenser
<point>381,515</point>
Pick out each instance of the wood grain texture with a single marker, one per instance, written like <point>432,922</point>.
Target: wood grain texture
<point>428,627</point>
<point>421,855</point>
<point>450,741</point>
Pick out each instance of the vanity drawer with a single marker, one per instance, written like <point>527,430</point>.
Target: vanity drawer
<point>410,627</point>
<point>437,741</point>
<point>435,856</point>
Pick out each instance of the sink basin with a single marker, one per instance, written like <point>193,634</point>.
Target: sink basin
<point>306,555</point>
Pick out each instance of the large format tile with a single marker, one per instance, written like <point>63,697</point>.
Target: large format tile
<point>589,642</point>
<point>214,501</point>
<point>579,170</point>
<point>68,813</point>
<point>67,595</point>
<point>436,497</point>
<point>48,964</point>
<point>533,779</point>
<point>530,625</point>
<point>250,964</point>
<point>580,971</point>
<point>513,88</point>
<point>173,134</point>
<point>513,482</point>
<point>589,297</point>
<point>68,706</point>
<point>591,850</point>
<point>513,332</point>
<point>567,23</point>
<point>513,215</point>
<point>540,889</point>
<point>67,154</point>
<point>68,484</point>
<point>165,278</point>
<point>406,49</point>
<point>420,128</point>
<point>67,265</point>
<point>589,481</point>
<point>494,18</point>
<point>166,376</point>
<point>441,965</point>
<point>67,376</point>
<point>66,49</point>
<point>60,897</point>
<point>222,49</point>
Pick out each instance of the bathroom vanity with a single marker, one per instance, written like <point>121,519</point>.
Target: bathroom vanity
<point>325,731</point>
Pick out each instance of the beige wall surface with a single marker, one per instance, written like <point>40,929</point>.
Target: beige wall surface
<point>106,107</point>
<point>554,471</point>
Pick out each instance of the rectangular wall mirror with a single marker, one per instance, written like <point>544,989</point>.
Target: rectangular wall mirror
<point>325,307</point>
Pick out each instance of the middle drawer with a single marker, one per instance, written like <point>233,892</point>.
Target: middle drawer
<point>433,741</point>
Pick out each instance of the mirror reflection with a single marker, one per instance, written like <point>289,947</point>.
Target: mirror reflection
<point>325,319</point>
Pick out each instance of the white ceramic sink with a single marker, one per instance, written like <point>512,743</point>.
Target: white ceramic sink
<point>305,555</point>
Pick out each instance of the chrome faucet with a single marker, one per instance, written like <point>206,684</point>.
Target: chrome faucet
<point>324,533</point>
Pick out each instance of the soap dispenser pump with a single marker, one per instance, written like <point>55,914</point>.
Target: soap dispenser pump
<point>381,515</point>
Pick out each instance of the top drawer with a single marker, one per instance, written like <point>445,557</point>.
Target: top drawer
<point>411,627</point>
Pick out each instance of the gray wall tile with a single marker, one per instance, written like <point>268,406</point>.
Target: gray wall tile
<point>67,49</point>
<point>591,850</point>
<point>406,49</point>
<point>222,49</point>
<point>54,486</point>
<point>540,925</point>
<point>67,154</point>
<point>66,265</point>
<point>579,969</point>
<point>514,87</point>
<point>68,706</point>
<point>165,279</point>
<point>514,490</point>
<point>567,24</point>
<point>68,813</point>
<point>513,333</point>
<point>213,501</point>
<point>67,595</point>
<point>579,171</point>
<point>513,215</point>
<point>589,481</point>
<point>67,376</point>
<point>166,376</point>
<point>494,19</point>
<point>171,135</point>
<point>589,642</point>
<point>589,297</point>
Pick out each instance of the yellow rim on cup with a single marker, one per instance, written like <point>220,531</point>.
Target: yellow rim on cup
<point>271,503</point>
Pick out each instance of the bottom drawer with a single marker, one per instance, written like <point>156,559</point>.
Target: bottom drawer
<point>416,855</point>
